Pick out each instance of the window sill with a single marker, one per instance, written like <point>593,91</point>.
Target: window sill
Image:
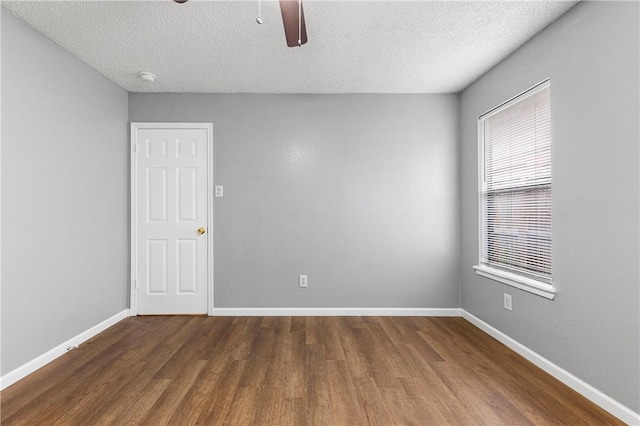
<point>527,284</point>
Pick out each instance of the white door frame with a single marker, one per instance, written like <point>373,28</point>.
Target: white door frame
<point>133,304</point>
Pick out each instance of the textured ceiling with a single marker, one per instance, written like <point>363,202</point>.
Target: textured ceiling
<point>354,46</point>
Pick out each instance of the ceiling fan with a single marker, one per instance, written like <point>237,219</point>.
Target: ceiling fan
<point>295,29</point>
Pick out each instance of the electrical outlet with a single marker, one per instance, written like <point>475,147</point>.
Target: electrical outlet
<point>507,302</point>
<point>219,191</point>
<point>302,281</point>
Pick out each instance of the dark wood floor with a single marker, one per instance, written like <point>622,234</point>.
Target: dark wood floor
<point>294,370</point>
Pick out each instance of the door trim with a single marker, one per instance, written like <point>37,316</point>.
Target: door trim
<point>135,126</point>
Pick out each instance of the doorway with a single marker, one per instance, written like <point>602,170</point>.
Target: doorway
<point>171,218</point>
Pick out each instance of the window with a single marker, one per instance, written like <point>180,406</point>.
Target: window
<point>515,192</point>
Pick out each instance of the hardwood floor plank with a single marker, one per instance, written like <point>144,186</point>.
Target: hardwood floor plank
<point>387,350</point>
<point>196,346</point>
<point>196,401</point>
<point>313,327</point>
<point>220,321</point>
<point>216,410</point>
<point>355,361</point>
<point>356,322</point>
<point>256,368</point>
<point>268,405</point>
<point>235,342</point>
<point>242,407</point>
<point>295,361</point>
<point>469,389</point>
<point>378,412</point>
<point>331,339</point>
<point>319,407</point>
<point>298,324</point>
<point>434,406</point>
<point>378,366</point>
<point>162,411</point>
<point>507,412</point>
<point>120,398</point>
<point>412,336</point>
<point>139,409</point>
<point>343,394</point>
<point>275,377</point>
<point>293,412</point>
<point>186,325</point>
<point>406,410</point>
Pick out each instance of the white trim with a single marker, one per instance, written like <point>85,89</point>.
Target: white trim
<point>210,226</point>
<point>597,397</point>
<point>510,102</point>
<point>1,185</point>
<point>514,280</point>
<point>133,296</point>
<point>44,359</point>
<point>135,126</point>
<point>523,283</point>
<point>323,312</point>
<point>480,187</point>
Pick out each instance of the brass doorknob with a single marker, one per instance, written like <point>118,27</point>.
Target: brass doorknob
<point>201,231</point>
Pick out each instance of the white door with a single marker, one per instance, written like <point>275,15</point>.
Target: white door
<point>170,208</point>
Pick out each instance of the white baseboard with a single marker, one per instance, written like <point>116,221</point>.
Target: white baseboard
<point>606,402</point>
<point>39,362</point>
<point>338,312</point>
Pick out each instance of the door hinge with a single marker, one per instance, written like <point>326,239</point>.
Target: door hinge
<point>135,147</point>
<point>136,282</point>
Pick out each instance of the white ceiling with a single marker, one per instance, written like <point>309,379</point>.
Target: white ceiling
<point>354,46</point>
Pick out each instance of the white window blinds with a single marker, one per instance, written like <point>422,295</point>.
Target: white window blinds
<point>516,185</point>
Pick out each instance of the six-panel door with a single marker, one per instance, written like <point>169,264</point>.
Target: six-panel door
<point>171,209</point>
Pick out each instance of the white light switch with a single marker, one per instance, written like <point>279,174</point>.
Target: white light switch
<point>219,191</point>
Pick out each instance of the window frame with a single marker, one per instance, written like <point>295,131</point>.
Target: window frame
<point>518,280</point>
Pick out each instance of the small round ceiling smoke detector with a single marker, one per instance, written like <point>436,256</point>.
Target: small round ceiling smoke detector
<point>146,76</point>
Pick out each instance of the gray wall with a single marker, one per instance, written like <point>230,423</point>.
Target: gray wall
<point>64,195</point>
<point>592,327</point>
<point>359,192</point>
